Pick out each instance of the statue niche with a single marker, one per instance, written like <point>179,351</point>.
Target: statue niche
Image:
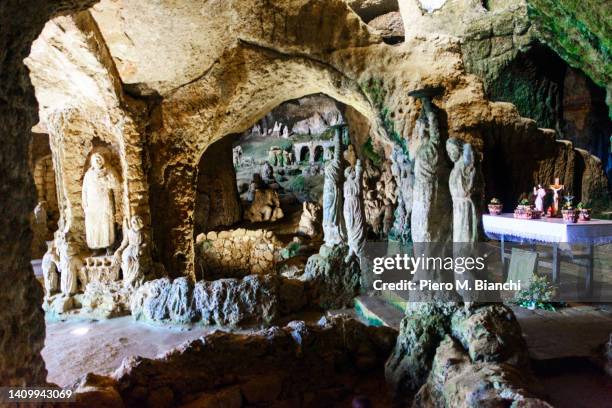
<point>100,195</point>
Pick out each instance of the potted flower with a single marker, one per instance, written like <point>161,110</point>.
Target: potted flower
<point>540,294</point>
<point>495,206</point>
<point>584,212</point>
<point>568,211</point>
<point>525,210</point>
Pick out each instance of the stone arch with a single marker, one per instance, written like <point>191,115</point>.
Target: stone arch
<point>304,153</point>
<point>318,155</point>
<point>212,115</point>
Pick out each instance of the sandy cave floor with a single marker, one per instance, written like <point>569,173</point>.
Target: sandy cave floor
<point>74,348</point>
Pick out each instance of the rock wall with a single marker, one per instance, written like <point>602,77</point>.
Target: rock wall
<point>296,365</point>
<point>237,253</point>
<point>21,324</point>
<point>461,356</point>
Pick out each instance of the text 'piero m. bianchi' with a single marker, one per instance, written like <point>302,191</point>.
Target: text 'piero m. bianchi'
<point>465,273</point>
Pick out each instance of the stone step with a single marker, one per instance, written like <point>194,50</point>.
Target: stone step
<point>376,311</point>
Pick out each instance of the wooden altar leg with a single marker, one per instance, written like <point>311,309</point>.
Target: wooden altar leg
<point>588,285</point>
<point>556,264</point>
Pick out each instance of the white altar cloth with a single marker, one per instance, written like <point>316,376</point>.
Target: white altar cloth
<point>594,232</point>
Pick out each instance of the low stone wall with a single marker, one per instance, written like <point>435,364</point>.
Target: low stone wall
<point>250,301</point>
<point>237,253</point>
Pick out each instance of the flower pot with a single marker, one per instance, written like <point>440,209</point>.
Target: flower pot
<point>569,215</point>
<point>526,212</point>
<point>585,214</point>
<point>495,209</point>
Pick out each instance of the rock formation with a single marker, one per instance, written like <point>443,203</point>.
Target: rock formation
<point>449,354</point>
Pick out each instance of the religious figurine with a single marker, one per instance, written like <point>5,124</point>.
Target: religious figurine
<point>133,253</point>
<point>556,188</point>
<point>401,169</point>
<point>462,183</point>
<point>285,133</point>
<point>354,216</point>
<point>540,194</point>
<point>267,172</point>
<point>430,215</point>
<point>265,206</point>
<point>333,223</point>
<point>70,264</point>
<point>237,156</point>
<point>255,184</point>
<point>49,264</point>
<point>310,220</point>
<point>373,211</point>
<point>98,195</point>
<point>350,156</point>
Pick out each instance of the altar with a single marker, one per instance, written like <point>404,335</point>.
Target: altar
<point>552,231</point>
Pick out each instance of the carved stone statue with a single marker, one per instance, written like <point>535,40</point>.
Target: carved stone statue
<point>256,183</point>
<point>310,221</point>
<point>354,215</point>
<point>133,253</point>
<point>50,268</point>
<point>98,195</point>
<point>430,213</point>
<point>373,211</point>
<point>462,184</point>
<point>267,172</point>
<point>333,223</point>
<point>70,264</point>
<point>237,156</point>
<point>265,206</point>
<point>402,171</point>
<point>350,156</point>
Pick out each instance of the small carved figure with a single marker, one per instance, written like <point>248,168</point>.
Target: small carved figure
<point>462,184</point>
<point>353,212</point>
<point>310,221</point>
<point>350,156</point>
<point>50,262</point>
<point>267,172</point>
<point>373,211</point>
<point>98,200</point>
<point>256,183</point>
<point>265,206</point>
<point>70,264</point>
<point>133,253</point>
<point>237,156</point>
